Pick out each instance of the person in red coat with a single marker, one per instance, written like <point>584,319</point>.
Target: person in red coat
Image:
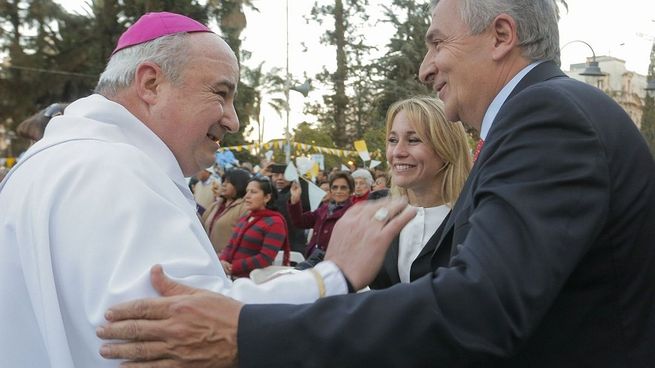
<point>259,235</point>
<point>322,220</point>
<point>363,184</point>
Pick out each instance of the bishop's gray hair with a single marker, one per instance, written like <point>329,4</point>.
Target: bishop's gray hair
<point>536,22</point>
<point>170,52</point>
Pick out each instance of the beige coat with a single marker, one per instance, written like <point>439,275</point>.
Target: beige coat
<point>221,232</point>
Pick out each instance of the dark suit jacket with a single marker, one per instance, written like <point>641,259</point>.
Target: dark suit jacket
<point>428,259</point>
<point>553,257</point>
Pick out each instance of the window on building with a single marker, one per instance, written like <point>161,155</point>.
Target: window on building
<point>600,84</point>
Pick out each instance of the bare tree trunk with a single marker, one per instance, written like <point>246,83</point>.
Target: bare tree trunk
<point>340,98</point>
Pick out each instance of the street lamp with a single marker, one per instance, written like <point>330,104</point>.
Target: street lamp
<point>592,69</point>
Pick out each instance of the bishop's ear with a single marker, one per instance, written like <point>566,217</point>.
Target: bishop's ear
<point>147,78</point>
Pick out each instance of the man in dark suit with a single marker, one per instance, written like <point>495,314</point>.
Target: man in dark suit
<point>553,250</point>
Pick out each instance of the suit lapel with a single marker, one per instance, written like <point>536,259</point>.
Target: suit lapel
<point>428,259</point>
<point>391,261</point>
<point>431,245</point>
<point>446,233</point>
<point>544,71</point>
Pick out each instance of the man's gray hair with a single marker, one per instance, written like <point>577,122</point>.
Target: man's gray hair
<point>169,52</point>
<point>536,22</point>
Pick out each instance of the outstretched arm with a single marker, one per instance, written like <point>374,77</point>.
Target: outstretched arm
<point>184,329</point>
<point>162,327</point>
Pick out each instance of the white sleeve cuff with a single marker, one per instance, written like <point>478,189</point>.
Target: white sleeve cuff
<point>335,283</point>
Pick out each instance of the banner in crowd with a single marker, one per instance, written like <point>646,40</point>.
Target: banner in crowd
<point>298,146</point>
<point>360,146</point>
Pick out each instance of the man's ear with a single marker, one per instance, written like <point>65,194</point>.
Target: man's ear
<point>148,78</point>
<point>504,31</point>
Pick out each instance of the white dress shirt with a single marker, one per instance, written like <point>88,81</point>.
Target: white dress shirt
<point>499,100</point>
<point>416,234</point>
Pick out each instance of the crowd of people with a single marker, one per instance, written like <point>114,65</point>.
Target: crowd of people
<point>306,231</point>
<point>534,250</point>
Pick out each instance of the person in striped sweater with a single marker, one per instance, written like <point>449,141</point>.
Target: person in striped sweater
<point>258,235</point>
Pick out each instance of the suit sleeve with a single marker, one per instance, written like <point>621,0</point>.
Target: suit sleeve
<point>540,193</point>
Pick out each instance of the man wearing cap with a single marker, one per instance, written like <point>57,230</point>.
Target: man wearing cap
<point>86,236</point>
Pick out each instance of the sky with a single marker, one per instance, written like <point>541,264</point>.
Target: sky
<point>623,29</point>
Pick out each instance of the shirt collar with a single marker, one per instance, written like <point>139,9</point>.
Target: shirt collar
<point>500,98</point>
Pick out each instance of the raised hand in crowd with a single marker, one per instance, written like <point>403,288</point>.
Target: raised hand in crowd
<point>296,192</point>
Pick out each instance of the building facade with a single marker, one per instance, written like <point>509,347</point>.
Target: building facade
<point>626,87</point>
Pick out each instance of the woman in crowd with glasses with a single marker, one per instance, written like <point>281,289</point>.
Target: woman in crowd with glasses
<point>429,160</point>
<point>259,235</point>
<point>322,220</point>
<point>222,215</point>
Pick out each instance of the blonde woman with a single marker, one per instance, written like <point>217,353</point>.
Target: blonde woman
<point>429,160</point>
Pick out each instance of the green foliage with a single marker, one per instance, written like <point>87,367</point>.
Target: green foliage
<point>65,53</point>
<point>46,64</point>
<point>62,54</point>
<point>406,49</point>
<point>232,21</point>
<point>358,109</point>
<point>376,142</point>
<point>345,112</point>
<point>648,123</point>
<point>318,136</point>
<point>64,59</point>
<point>305,133</point>
<point>648,114</point>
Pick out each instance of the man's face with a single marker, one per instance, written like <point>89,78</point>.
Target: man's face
<point>456,65</point>
<point>280,181</point>
<point>198,110</point>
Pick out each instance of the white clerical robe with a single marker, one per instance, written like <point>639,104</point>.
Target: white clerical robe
<point>83,216</point>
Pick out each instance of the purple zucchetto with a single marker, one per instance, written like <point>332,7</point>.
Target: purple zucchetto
<point>157,24</point>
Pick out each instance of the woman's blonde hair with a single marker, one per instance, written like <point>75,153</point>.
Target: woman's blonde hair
<point>448,141</point>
